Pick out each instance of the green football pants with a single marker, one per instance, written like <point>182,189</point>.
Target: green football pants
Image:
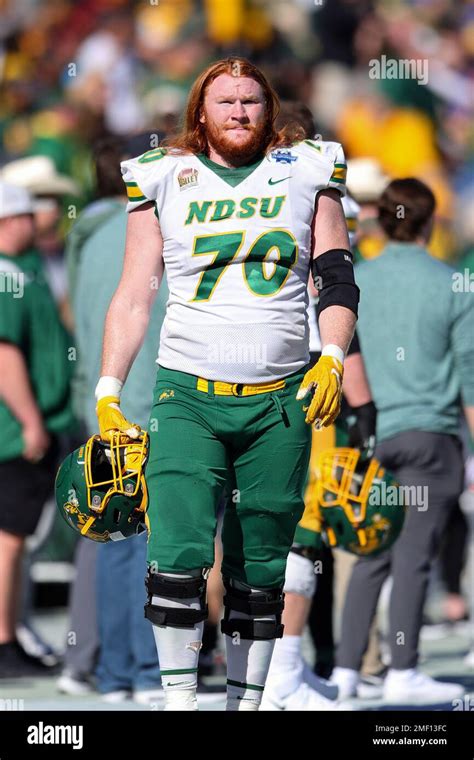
<point>256,446</point>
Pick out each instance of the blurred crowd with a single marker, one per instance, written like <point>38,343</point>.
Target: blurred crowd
<point>81,81</point>
<point>72,72</point>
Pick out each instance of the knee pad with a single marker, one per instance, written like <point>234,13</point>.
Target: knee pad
<point>299,576</point>
<point>176,589</point>
<point>254,603</point>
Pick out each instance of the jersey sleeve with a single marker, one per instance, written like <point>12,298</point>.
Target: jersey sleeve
<point>142,177</point>
<point>324,164</point>
<point>337,180</point>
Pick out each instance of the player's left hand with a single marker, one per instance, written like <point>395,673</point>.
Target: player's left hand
<point>361,427</point>
<point>325,381</point>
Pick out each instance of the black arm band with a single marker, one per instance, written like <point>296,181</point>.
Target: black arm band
<point>354,347</point>
<point>333,275</point>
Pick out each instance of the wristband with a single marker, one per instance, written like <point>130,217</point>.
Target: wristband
<point>108,386</point>
<point>335,351</point>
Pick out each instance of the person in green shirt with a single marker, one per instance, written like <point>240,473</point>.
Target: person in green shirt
<point>416,333</point>
<point>35,368</point>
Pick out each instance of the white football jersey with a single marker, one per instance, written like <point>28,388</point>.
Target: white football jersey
<point>237,251</point>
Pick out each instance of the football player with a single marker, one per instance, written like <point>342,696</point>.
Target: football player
<point>291,684</point>
<point>239,214</point>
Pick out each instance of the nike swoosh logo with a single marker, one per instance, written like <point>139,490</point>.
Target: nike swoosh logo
<point>276,181</point>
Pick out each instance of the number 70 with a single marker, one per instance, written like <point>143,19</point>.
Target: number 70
<point>225,248</point>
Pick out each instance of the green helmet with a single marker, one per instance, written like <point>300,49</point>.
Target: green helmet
<point>361,504</point>
<point>101,490</point>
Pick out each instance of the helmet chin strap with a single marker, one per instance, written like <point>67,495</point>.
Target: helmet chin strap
<point>144,502</point>
<point>88,525</point>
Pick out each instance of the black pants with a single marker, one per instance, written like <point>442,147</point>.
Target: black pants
<point>320,617</point>
<point>453,551</point>
<point>25,488</point>
<point>433,462</point>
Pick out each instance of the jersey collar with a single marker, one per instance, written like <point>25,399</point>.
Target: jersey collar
<point>232,176</point>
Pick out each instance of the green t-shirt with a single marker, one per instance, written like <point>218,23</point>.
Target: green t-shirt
<point>416,330</point>
<point>29,319</point>
<point>98,275</point>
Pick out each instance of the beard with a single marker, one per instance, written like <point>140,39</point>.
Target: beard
<point>237,153</point>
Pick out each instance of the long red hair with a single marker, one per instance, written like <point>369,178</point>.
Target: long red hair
<point>193,138</point>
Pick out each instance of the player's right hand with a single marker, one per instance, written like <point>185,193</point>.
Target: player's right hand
<point>112,420</point>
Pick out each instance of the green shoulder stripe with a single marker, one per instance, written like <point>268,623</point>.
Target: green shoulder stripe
<point>152,155</point>
<point>313,144</point>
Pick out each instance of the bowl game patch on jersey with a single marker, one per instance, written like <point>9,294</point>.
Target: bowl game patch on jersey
<point>187,178</point>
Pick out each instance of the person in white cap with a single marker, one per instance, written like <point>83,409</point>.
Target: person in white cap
<point>34,407</point>
<point>39,176</point>
<point>366,182</point>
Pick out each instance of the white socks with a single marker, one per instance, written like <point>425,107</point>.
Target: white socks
<point>248,661</point>
<point>247,667</point>
<point>182,701</point>
<point>286,669</point>
<point>287,654</point>
<point>178,654</point>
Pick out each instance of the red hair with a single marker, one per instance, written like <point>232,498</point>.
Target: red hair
<point>193,137</point>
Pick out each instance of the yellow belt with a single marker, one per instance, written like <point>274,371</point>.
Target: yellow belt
<point>238,389</point>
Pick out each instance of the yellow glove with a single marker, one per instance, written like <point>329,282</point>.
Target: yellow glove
<point>111,419</point>
<point>325,380</point>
